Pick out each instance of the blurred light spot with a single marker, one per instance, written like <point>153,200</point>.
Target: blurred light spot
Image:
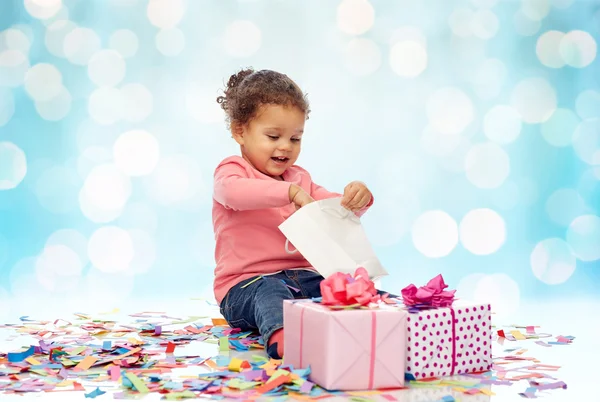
<point>487,165</point>
<point>535,99</point>
<point>455,161</point>
<point>537,10</point>
<point>107,187</point>
<point>499,290</point>
<point>73,239</point>
<point>90,134</point>
<point>467,285</point>
<point>106,68</point>
<point>56,108</point>
<point>7,106</point>
<point>139,216</point>
<point>22,275</point>
<point>55,189</point>
<point>80,45</point>
<point>588,104</point>
<point>59,260</point>
<point>61,15</point>
<point>435,234</point>
<point>202,246</point>
<point>110,249</point>
<point>105,105</point>
<point>177,178</point>
<point>524,25</point>
<point>136,153</point>
<point>137,102</point>
<point>14,39</point>
<point>578,48</point>
<point>506,196</point>
<point>144,251</point>
<point>488,78</point>
<point>56,34</point>
<point>42,9</point>
<point>165,13</point>
<point>502,124</point>
<point>125,42</point>
<point>449,110</point>
<point>108,287</point>
<point>362,56</point>
<point>586,141</point>
<point>397,209</point>
<point>408,33</point>
<point>202,106</point>
<point>438,144</point>
<point>484,24</point>
<point>408,58</point>
<point>92,157</point>
<point>13,67</point>
<point>13,165</point>
<point>124,3</point>
<point>558,131</point>
<point>547,49</point>
<point>170,42</point>
<point>43,82</point>
<point>583,235</point>
<point>460,21</point>
<point>355,17</point>
<point>242,39</point>
<point>482,231</point>
<point>552,261</point>
<point>97,214</point>
<point>564,205</point>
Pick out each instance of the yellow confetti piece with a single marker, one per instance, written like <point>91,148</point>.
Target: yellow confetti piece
<point>518,335</point>
<point>86,363</point>
<point>278,373</point>
<point>77,351</point>
<point>32,361</point>
<point>520,352</point>
<point>236,365</point>
<point>486,392</point>
<point>113,311</point>
<point>137,383</point>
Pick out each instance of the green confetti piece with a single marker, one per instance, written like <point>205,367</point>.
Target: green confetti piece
<point>137,383</point>
<point>224,344</point>
<point>180,395</point>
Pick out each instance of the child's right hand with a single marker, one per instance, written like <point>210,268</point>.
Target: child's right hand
<point>299,197</point>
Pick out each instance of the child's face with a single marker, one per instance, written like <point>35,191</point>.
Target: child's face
<point>271,140</point>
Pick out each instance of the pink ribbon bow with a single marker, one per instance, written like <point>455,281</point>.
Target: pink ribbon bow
<point>432,294</point>
<point>345,290</point>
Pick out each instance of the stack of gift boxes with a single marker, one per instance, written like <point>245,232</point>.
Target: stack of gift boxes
<point>353,339</point>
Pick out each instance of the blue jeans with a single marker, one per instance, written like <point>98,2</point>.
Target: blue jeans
<point>259,306</point>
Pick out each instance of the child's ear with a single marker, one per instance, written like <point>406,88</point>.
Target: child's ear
<point>237,132</point>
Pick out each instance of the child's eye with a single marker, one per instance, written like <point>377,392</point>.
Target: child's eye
<point>296,139</point>
<point>273,137</point>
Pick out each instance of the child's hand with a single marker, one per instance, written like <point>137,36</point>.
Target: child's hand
<point>356,196</point>
<point>299,197</point>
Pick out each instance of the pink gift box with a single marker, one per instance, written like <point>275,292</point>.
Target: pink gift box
<point>346,349</point>
<point>448,341</point>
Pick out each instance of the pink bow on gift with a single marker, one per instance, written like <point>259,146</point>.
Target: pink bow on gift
<point>432,294</point>
<point>345,290</point>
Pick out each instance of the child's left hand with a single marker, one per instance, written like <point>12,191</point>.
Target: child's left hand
<point>356,196</point>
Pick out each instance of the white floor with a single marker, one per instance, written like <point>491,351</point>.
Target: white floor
<point>577,361</point>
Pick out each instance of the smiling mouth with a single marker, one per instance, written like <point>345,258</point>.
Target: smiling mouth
<point>280,159</point>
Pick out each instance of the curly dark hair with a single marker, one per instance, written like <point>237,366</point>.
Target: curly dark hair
<point>247,90</point>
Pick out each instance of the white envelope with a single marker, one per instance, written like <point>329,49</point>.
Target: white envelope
<point>331,238</point>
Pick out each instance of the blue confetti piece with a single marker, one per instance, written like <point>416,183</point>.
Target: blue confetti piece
<point>95,393</point>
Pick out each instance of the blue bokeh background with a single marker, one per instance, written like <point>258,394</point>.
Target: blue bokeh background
<point>475,124</point>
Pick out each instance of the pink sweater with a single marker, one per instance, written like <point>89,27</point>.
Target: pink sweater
<point>248,207</point>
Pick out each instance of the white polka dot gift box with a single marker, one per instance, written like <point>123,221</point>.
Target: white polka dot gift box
<point>437,393</point>
<point>349,339</point>
<point>445,337</point>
